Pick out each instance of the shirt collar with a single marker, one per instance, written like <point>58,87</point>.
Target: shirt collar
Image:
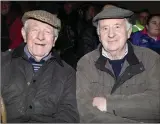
<point>105,54</point>
<point>131,58</point>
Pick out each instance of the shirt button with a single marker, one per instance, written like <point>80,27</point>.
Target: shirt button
<point>28,83</point>
<point>30,107</point>
<point>129,74</point>
<point>34,81</point>
<point>141,68</point>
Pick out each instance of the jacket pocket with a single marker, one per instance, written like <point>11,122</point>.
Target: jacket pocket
<point>130,88</point>
<point>45,106</point>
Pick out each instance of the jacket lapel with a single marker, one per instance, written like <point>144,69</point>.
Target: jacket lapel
<point>130,68</point>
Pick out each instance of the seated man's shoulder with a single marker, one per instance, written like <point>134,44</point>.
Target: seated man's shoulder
<point>146,55</point>
<point>5,56</point>
<point>89,58</point>
<point>62,70</point>
<point>6,53</point>
<point>146,51</point>
<point>67,67</point>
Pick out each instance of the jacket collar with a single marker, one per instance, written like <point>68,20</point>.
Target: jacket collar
<point>131,57</point>
<point>19,52</point>
<point>135,67</point>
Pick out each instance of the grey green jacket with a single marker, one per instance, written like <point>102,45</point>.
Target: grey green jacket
<point>133,97</point>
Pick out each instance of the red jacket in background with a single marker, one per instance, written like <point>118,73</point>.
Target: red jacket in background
<point>15,32</point>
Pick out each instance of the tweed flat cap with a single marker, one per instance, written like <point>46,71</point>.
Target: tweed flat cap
<point>44,17</point>
<point>111,12</point>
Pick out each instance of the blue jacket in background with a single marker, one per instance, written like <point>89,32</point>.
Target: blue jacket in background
<point>141,38</point>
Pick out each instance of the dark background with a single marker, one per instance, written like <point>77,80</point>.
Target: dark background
<point>152,6</point>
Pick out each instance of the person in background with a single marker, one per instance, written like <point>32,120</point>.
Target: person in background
<point>37,86</point>
<point>11,15</point>
<point>150,36</point>
<point>86,12</point>
<point>141,21</point>
<point>68,35</point>
<point>88,38</point>
<point>118,82</point>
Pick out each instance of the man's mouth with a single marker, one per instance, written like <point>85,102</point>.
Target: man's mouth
<point>40,44</point>
<point>112,41</point>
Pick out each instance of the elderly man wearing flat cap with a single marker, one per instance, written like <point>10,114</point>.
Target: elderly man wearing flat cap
<point>37,86</point>
<point>118,82</point>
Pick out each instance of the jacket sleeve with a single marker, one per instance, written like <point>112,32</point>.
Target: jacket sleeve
<point>67,110</point>
<point>88,113</point>
<point>5,67</point>
<point>144,105</point>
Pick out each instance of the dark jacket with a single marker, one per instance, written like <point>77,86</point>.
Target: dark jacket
<point>132,97</point>
<point>48,95</point>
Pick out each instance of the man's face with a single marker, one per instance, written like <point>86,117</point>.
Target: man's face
<point>154,26</point>
<point>143,18</point>
<point>5,6</point>
<point>39,38</point>
<point>113,34</point>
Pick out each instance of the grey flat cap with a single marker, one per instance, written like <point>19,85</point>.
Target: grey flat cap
<point>112,12</point>
<point>44,17</point>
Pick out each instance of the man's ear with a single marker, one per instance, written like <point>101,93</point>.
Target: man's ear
<point>147,27</point>
<point>23,32</point>
<point>54,41</point>
<point>129,32</point>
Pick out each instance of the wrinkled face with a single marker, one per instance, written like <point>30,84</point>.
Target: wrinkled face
<point>5,6</point>
<point>113,34</point>
<point>143,18</point>
<point>39,37</point>
<point>154,26</point>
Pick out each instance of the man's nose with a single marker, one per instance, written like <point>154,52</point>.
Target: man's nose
<point>111,33</point>
<point>40,35</point>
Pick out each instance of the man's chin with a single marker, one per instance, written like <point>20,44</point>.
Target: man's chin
<point>112,49</point>
<point>39,55</point>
